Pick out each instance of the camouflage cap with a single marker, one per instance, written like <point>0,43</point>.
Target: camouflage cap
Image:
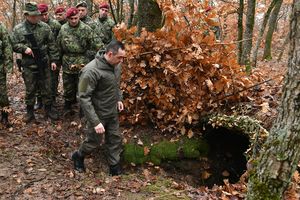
<point>31,9</point>
<point>81,4</point>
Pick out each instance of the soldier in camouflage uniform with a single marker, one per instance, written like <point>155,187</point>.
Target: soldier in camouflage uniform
<point>36,76</point>
<point>60,15</point>
<point>83,12</point>
<point>55,27</point>
<point>6,62</point>
<point>101,100</point>
<point>104,24</point>
<point>75,39</point>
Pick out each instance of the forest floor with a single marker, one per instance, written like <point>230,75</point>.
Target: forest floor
<point>35,159</point>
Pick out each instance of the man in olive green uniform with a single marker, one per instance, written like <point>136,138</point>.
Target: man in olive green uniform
<point>104,24</point>
<point>55,27</point>
<point>101,100</point>
<point>35,41</point>
<point>60,15</point>
<point>6,62</point>
<point>75,40</point>
<point>83,12</point>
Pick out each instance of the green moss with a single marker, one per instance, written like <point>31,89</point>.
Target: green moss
<point>134,154</point>
<point>164,150</point>
<point>260,191</point>
<point>193,148</point>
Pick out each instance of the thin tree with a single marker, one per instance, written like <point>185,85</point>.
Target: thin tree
<point>272,24</point>
<point>248,34</point>
<point>261,31</point>
<point>273,169</point>
<point>240,30</point>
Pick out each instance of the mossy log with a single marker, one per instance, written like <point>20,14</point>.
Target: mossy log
<point>197,146</point>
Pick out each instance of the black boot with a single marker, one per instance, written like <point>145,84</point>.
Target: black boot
<point>29,115</point>
<point>39,103</point>
<point>4,118</point>
<point>50,112</point>
<point>115,170</point>
<point>78,162</point>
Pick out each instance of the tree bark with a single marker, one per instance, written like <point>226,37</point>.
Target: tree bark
<point>248,34</point>
<point>261,31</point>
<point>131,13</point>
<point>240,30</point>
<point>272,24</point>
<point>273,169</point>
<point>149,16</point>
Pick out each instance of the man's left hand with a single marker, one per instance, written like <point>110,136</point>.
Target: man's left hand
<point>120,106</point>
<point>53,66</point>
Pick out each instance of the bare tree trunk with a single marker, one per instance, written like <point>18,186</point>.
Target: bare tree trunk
<point>261,31</point>
<point>272,24</point>
<point>240,30</point>
<point>248,34</point>
<point>14,14</point>
<point>149,15</point>
<point>273,169</point>
<point>131,13</point>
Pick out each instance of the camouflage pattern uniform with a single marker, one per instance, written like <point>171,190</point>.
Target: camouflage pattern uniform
<point>103,28</point>
<point>6,61</point>
<point>74,43</point>
<point>55,27</point>
<point>99,91</point>
<point>89,21</point>
<point>32,77</point>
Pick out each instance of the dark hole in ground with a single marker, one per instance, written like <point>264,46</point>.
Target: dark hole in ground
<point>225,160</point>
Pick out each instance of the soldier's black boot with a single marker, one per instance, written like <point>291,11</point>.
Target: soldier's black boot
<point>115,170</point>
<point>4,118</point>
<point>50,112</point>
<point>38,104</point>
<point>29,115</point>
<point>78,162</point>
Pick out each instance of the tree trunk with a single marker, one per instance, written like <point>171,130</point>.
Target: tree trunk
<point>261,31</point>
<point>149,16</point>
<point>131,13</point>
<point>272,25</point>
<point>272,171</point>
<point>248,34</point>
<point>240,30</point>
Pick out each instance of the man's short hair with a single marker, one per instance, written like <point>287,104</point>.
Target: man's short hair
<point>114,46</point>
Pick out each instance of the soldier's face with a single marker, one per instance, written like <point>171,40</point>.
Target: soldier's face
<point>45,17</point>
<point>60,16</point>
<point>73,20</point>
<point>82,11</point>
<point>117,58</point>
<point>103,12</point>
<point>33,19</point>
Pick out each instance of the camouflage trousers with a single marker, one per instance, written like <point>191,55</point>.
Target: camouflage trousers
<point>113,140</point>
<point>54,83</point>
<point>3,94</point>
<point>34,80</point>
<point>70,83</point>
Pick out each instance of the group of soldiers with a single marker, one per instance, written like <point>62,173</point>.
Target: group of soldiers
<point>90,59</point>
<point>69,42</point>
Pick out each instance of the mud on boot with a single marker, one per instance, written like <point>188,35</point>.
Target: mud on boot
<point>78,162</point>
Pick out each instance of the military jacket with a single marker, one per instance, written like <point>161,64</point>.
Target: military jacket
<point>76,45</point>
<point>55,26</point>
<point>43,36</point>
<point>99,90</point>
<point>6,53</point>
<point>103,28</point>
